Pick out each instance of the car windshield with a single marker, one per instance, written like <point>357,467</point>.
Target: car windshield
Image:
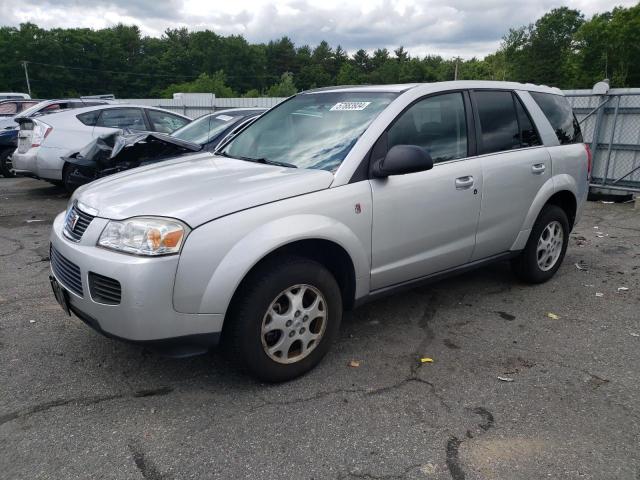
<point>205,128</point>
<point>312,130</point>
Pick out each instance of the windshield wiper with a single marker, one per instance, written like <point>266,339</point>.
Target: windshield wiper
<point>258,160</point>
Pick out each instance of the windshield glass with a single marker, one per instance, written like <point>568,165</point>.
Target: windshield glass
<point>312,130</point>
<point>203,129</point>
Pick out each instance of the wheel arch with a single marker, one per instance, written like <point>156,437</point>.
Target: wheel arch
<point>554,192</point>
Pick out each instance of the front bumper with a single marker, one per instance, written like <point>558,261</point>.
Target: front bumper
<point>145,312</point>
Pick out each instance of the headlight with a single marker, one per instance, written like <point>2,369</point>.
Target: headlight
<point>144,236</point>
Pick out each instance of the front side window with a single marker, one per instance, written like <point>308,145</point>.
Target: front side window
<point>165,122</point>
<point>558,111</point>
<point>498,121</point>
<point>122,118</point>
<point>436,124</point>
<point>312,130</point>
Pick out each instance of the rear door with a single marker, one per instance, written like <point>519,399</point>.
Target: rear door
<point>514,164</point>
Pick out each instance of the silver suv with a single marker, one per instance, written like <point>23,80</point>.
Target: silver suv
<point>333,198</point>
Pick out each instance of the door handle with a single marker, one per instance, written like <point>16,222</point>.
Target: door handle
<point>538,168</point>
<point>462,183</point>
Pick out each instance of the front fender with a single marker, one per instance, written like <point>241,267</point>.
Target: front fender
<point>268,238</point>
<point>218,255</point>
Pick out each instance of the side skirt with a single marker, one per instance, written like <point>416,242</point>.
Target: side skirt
<point>434,277</point>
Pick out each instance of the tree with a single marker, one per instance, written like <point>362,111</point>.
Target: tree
<point>285,88</point>
<point>203,84</point>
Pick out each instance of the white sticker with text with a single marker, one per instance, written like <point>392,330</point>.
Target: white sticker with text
<point>224,118</point>
<point>349,106</point>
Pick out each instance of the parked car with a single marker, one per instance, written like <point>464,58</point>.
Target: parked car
<point>9,126</point>
<point>118,151</point>
<point>332,198</point>
<point>43,142</point>
<point>13,95</point>
<point>211,130</point>
<point>11,108</point>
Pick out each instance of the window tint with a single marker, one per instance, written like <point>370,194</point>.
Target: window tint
<point>164,122</point>
<point>560,115</point>
<point>437,124</point>
<point>122,118</point>
<point>498,121</point>
<point>528,134</point>
<point>89,118</point>
<point>8,108</point>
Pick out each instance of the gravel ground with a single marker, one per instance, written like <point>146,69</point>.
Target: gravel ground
<point>74,404</point>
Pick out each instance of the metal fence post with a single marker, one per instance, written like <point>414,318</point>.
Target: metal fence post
<point>596,129</point>
<point>613,132</point>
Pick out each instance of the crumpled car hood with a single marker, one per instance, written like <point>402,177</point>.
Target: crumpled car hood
<point>198,188</point>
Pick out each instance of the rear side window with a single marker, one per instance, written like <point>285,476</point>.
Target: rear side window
<point>122,118</point>
<point>498,121</point>
<point>560,115</point>
<point>89,118</point>
<point>528,134</point>
<point>437,124</point>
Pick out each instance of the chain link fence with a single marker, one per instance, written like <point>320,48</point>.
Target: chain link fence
<point>611,126</point>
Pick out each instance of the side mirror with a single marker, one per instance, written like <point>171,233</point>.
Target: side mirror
<point>402,159</point>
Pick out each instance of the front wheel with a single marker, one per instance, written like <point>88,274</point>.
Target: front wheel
<point>5,163</point>
<point>284,318</point>
<point>546,247</point>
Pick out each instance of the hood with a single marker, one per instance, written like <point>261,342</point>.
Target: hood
<point>197,189</point>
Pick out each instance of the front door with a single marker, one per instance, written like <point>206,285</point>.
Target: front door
<point>425,222</point>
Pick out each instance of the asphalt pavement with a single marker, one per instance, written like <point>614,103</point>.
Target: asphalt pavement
<point>512,393</point>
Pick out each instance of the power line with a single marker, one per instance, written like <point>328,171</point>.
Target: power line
<point>111,71</point>
<point>150,75</point>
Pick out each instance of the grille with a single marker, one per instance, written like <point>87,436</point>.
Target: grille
<point>104,289</point>
<point>66,271</point>
<point>76,223</point>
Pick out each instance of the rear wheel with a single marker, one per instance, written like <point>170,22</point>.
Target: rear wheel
<point>67,170</point>
<point>5,162</point>
<point>285,317</point>
<point>546,247</point>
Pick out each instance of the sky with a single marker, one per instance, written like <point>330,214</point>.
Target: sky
<point>450,28</point>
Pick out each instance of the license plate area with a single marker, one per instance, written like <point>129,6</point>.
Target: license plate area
<point>62,296</point>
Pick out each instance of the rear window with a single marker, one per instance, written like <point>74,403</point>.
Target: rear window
<point>560,115</point>
<point>89,118</point>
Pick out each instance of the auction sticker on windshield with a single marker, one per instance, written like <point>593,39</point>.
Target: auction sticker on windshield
<point>344,106</point>
<point>224,118</point>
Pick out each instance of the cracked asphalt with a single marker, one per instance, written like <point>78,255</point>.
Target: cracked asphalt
<point>75,405</point>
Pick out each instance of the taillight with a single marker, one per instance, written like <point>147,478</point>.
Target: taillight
<point>589,158</point>
<point>40,131</point>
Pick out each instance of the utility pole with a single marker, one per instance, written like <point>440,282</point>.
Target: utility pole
<point>26,75</point>
<point>455,74</point>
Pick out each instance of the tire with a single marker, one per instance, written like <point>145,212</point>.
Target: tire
<point>67,170</point>
<point>537,265</point>
<point>270,289</point>
<point>5,163</point>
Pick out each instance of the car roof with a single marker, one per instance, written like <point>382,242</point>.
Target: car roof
<point>77,111</point>
<point>435,86</point>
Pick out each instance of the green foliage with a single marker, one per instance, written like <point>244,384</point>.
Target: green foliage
<point>203,84</point>
<point>561,48</point>
<point>285,88</point>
